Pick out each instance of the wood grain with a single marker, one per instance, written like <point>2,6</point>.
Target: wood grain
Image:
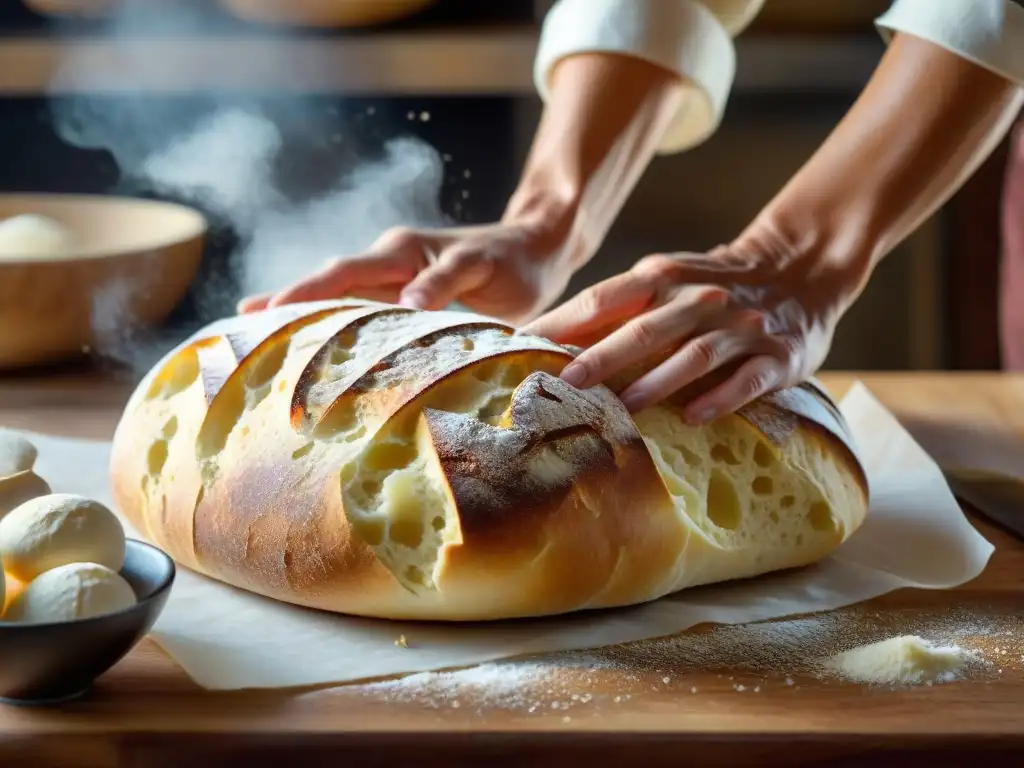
<point>147,712</point>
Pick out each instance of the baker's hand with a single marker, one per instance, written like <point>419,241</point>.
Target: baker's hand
<point>503,270</point>
<point>766,317</point>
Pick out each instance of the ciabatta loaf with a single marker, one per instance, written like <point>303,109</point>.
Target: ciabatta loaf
<point>369,459</point>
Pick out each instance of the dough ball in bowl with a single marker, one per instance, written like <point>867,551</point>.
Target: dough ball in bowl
<point>70,592</point>
<point>30,235</point>
<point>51,531</point>
<point>17,454</point>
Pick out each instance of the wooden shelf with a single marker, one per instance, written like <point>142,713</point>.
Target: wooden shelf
<point>436,63</point>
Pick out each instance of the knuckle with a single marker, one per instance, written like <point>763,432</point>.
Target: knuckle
<point>759,382</point>
<point>705,352</point>
<point>592,302</point>
<point>399,237</point>
<point>712,295</point>
<point>461,257</point>
<point>642,334</point>
<point>752,320</point>
<point>657,265</point>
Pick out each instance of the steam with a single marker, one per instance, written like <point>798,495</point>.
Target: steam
<point>227,156</point>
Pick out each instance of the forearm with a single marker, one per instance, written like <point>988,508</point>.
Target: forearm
<point>621,80</point>
<point>925,122</point>
<point>605,117</point>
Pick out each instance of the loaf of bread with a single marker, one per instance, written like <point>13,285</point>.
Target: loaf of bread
<point>374,460</point>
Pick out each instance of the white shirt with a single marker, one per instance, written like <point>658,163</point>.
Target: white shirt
<point>694,38</point>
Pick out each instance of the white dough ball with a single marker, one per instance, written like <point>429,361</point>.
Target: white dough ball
<point>32,235</point>
<point>54,530</point>
<point>69,592</point>
<point>17,454</point>
<point>17,489</point>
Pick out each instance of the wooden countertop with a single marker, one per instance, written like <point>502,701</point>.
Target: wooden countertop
<point>146,712</point>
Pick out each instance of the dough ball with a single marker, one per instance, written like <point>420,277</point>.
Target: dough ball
<point>17,489</point>
<point>31,235</point>
<point>58,529</point>
<point>17,454</point>
<point>69,592</point>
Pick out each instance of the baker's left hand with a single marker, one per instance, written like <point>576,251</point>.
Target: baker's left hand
<point>765,314</point>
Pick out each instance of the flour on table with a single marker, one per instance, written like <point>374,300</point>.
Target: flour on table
<point>899,661</point>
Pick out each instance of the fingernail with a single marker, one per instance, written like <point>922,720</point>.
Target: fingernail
<point>413,300</point>
<point>700,416</point>
<point>574,374</point>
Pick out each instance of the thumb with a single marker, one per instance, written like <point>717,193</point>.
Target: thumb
<point>456,271</point>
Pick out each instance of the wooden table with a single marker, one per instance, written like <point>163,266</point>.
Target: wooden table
<point>146,712</point>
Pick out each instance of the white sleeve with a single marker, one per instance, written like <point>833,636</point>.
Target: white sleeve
<point>692,38</point>
<point>989,33</point>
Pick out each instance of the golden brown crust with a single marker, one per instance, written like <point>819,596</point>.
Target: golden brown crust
<point>368,459</point>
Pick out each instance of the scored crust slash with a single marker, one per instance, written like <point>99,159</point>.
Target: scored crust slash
<point>375,460</point>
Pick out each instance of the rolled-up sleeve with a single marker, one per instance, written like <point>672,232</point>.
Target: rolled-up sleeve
<point>989,33</point>
<point>689,37</point>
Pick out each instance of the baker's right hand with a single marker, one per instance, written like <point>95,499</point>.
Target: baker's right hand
<point>505,271</point>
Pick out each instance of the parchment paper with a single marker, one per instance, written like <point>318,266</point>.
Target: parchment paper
<point>224,638</point>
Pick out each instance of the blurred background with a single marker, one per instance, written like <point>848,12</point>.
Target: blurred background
<point>302,135</point>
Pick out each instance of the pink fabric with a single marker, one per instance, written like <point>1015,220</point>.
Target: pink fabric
<point>1012,284</point>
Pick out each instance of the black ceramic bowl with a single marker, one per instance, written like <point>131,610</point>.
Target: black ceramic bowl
<point>51,663</point>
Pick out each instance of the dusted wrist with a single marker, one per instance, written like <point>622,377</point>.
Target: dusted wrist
<point>550,218</point>
<point>800,243</point>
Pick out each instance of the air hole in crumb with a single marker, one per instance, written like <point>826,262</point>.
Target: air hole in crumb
<point>513,375</point>
<point>371,531</point>
<point>820,517</point>
<point>389,456</point>
<point>763,456</point>
<point>268,366</point>
<point>176,377</point>
<point>339,355</point>
<point>338,420</point>
<point>300,452</point>
<point>774,517</point>
<point>407,532</point>
<point>799,539</point>
<point>414,575</point>
<point>486,371</point>
<point>724,508</point>
<point>351,437</point>
<point>724,454</point>
<point>371,487</point>
<point>171,428</point>
<point>229,407</point>
<point>157,457</point>
<point>437,523</point>
<point>787,501</point>
<point>762,485</point>
<point>468,345</point>
<point>691,458</point>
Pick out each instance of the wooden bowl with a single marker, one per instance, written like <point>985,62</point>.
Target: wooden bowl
<point>89,9</point>
<point>131,264</point>
<point>324,13</point>
<point>47,664</point>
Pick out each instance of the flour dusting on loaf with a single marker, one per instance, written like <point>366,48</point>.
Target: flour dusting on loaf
<point>375,460</point>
